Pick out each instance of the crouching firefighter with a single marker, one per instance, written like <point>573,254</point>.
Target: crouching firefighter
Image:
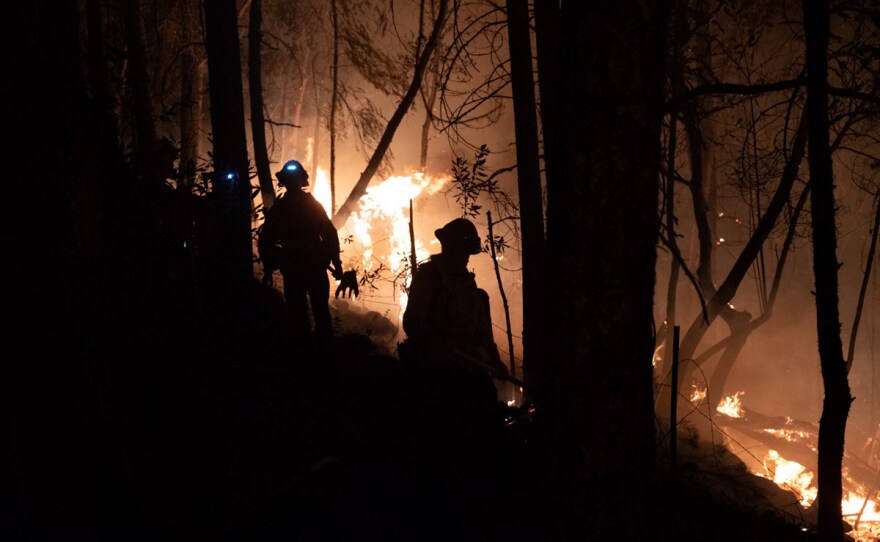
<point>298,239</point>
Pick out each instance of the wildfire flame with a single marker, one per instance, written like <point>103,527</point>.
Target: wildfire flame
<point>657,358</point>
<point>788,434</point>
<point>380,226</point>
<point>698,395</point>
<point>731,406</point>
<point>795,477</point>
<point>792,475</point>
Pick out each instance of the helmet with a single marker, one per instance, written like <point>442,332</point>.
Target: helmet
<point>459,234</point>
<point>293,174</point>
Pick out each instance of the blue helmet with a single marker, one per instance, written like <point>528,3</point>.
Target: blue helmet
<point>293,174</point>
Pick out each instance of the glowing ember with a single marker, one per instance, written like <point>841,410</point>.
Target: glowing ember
<point>731,406</point>
<point>657,357</point>
<point>788,434</point>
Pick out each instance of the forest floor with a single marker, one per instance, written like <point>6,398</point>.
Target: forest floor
<point>198,435</point>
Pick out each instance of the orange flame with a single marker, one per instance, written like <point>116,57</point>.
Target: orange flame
<point>731,406</point>
<point>698,395</point>
<point>380,226</point>
<point>794,476</point>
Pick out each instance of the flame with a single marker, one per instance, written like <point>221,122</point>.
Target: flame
<point>792,475</point>
<point>657,356</point>
<point>380,226</point>
<point>698,395</point>
<point>788,434</point>
<point>731,406</point>
<point>321,190</point>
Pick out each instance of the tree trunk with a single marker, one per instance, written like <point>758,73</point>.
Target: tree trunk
<point>54,410</point>
<point>602,232</point>
<point>547,47</point>
<point>334,98</point>
<point>255,87</point>
<point>190,93</point>
<point>297,116</point>
<point>863,290</point>
<point>98,76</point>
<point>316,137</point>
<point>144,131</point>
<point>231,186</point>
<point>835,407</point>
<point>360,187</point>
<point>531,203</point>
<point>719,300</point>
<point>429,98</point>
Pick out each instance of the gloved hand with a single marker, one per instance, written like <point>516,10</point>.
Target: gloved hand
<point>337,270</point>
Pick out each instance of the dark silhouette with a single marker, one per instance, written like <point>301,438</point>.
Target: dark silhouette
<point>348,285</point>
<point>298,239</point>
<point>447,320</point>
<point>450,348</point>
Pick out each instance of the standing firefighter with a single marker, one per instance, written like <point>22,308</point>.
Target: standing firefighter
<point>447,319</point>
<point>450,346</point>
<point>298,239</point>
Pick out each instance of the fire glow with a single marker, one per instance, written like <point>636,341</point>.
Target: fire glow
<point>793,476</point>
<point>731,406</point>
<point>383,218</point>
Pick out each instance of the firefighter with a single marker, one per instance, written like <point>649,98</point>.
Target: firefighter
<point>447,320</point>
<point>450,346</point>
<point>298,239</point>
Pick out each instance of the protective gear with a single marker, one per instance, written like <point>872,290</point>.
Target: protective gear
<point>448,318</point>
<point>298,239</point>
<point>293,175</point>
<point>459,235</point>
<point>336,270</point>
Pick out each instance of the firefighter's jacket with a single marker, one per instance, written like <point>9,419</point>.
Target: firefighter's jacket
<point>448,317</point>
<point>297,234</point>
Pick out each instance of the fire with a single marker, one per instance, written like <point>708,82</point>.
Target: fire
<point>792,475</point>
<point>321,190</point>
<point>698,395</point>
<point>788,434</point>
<point>380,226</point>
<point>731,406</point>
<point>657,356</point>
<point>856,508</point>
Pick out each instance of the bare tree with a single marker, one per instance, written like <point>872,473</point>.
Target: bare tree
<point>231,184</point>
<point>835,409</point>
<point>255,91</point>
<point>360,187</point>
<point>531,204</point>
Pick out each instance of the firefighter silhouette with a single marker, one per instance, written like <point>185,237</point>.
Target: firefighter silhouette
<point>447,317</point>
<point>299,240</point>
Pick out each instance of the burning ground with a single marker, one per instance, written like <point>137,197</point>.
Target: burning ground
<point>783,450</point>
